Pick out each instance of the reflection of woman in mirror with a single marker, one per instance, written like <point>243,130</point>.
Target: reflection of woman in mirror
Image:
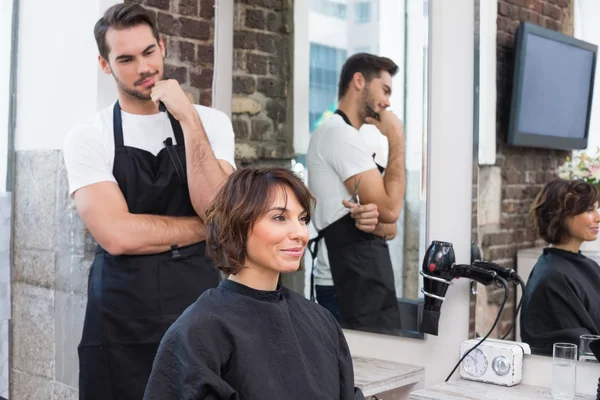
<point>562,297</point>
<point>251,338</point>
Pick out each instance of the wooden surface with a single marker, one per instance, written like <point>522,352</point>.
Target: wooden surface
<point>464,389</point>
<point>376,376</point>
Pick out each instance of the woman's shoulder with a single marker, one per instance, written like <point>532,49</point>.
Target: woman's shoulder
<point>317,311</point>
<point>204,314</point>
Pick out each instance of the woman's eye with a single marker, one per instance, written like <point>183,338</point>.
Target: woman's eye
<point>279,217</point>
<point>305,219</point>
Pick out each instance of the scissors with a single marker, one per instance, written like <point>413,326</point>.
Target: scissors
<point>355,198</point>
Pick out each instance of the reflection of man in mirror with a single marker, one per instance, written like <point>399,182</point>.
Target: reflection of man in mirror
<point>357,205</point>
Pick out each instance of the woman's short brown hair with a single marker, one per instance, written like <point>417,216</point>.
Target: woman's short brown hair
<point>244,199</point>
<point>557,201</point>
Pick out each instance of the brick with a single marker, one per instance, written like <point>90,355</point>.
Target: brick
<point>187,51</point>
<point>239,60</point>
<point>534,5</point>
<point>203,80</point>
<point>205,54</point>
<point>562,3</point>
<point>551,11</point>
<point>207,9</point>
<point>505,40</point>
<point>511,176</point>
<point>167,24</point>
<point>271,87</point>
<point>274,22</point>
<point>188,8</point>
<point>262,130</point>
<point>277,67</point>
<point>265,42</point>
<point>277,110</point>
<point>206,98</point>
<point>529,16</point>
<point>161,4</point>
<point>276,5</point>
<point>256,64</point>
<point>551,24</point>
<point>241,105</point>
<point>244,40</point>
<point>177,73</point>
<point>255,19</point>
<point>508,10</point>
<point>244,85</point>
<point>519,3</point>
<point>241,127</point>
<point>194,29</point>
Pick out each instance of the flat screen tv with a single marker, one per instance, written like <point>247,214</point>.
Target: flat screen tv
<point>552,89</point>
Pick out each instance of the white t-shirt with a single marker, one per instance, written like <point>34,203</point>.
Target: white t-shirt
<point>337,151</point>
<point>89,148</point>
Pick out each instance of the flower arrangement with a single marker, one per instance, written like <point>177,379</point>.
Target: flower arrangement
<point>582,166</point>
<point>299,170</point>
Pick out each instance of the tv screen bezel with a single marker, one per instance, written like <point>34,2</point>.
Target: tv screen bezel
<point>528,139</point>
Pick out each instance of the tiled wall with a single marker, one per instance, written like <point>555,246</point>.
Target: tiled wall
<point>52,254</point>
<point>5,241</point>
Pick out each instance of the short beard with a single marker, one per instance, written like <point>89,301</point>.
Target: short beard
<point>365,102</point>
<point>133,92</point>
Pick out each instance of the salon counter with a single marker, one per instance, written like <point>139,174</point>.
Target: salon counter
<point>381,377</point>
<point>464,389</point>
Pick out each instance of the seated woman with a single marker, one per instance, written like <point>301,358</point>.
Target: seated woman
<point>251,338</point>
<point>562,297</point>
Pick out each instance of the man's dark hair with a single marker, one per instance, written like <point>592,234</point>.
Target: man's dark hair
<point>369,65</point>
<point>122,16</point>
<point>557,201</point>
<point>242,201</point>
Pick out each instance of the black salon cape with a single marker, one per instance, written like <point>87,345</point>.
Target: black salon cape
<point>561,301</point>
<point>236,342</point>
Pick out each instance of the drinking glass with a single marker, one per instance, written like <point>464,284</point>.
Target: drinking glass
<point>564,370</point>
<point>585,353</point>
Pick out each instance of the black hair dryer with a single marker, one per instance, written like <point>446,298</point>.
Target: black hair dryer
<point>438,273</point>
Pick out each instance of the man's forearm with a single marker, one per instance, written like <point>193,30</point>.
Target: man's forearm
<point>152,234</point>
<point>386,231</point>
<point>394,179</point>
<point>204,174</point>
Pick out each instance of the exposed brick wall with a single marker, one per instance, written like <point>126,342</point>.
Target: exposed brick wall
<point>524,171</point>
<point>262,77</point>
<point>262,81</point>
<point>187,28</point>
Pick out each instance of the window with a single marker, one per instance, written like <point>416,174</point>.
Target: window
<point>363,12</point>
<point>329,8</point>
<point>325,65</point>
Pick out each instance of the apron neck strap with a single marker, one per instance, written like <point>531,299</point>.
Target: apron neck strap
<point>344,116</point>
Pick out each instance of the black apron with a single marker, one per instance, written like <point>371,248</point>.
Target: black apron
<point>132,300</point>
<point>362,272</point>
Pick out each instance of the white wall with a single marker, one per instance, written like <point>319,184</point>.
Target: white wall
<point>587,28</point>
<point>449,201</point>
<point>58,77</point>
<point>6,10</point>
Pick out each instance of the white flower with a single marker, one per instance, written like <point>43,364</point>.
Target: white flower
<point>298,169</point>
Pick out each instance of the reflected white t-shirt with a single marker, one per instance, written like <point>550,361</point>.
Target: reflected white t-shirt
<point>89,148</point>
<point>337,151</point>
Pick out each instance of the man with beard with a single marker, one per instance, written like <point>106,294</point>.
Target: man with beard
<point>357,205</point>
<point>141,173</point>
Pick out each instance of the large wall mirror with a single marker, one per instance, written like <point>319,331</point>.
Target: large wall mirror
<point>327,32</point>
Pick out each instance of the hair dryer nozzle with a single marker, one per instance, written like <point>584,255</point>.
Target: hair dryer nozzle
<point>437,273</point>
